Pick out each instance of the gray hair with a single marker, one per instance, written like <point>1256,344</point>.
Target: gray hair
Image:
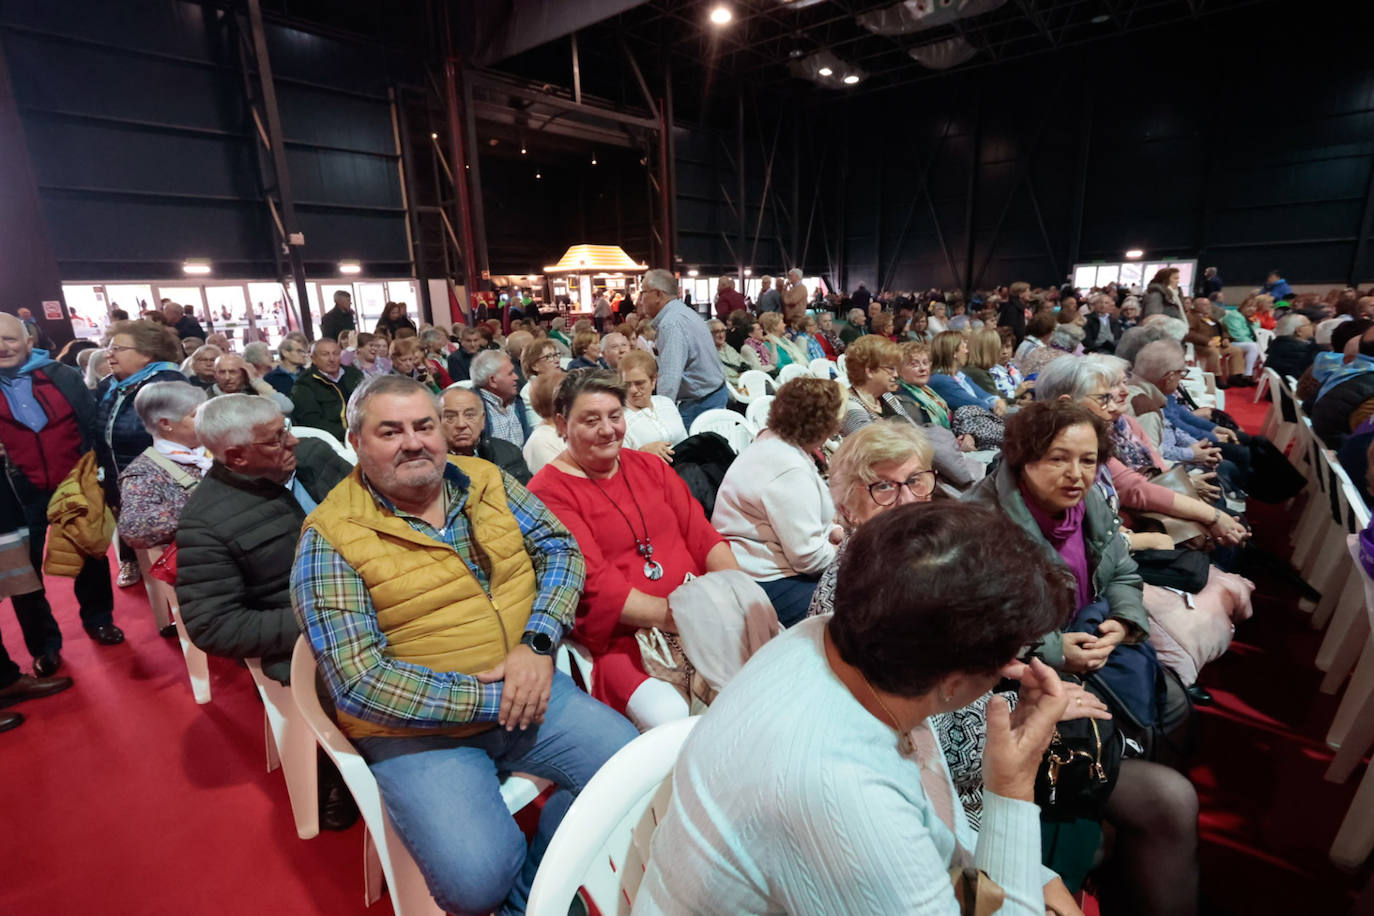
<point>1098,297</point>
<point>168,401</point>
<point>661,280</point>
<point>484,365</point>
<point>616,337</point>
<point>227,421</point>
<point>257,354</point>
<point>431,336</point>
<point>1137,337</point>
<point>1288,325</point>
<point>860,313</point>
<point>795,272</point>
<point>1077,377</point>
<point>1065,337</point>
<point>388,383</point>
<point>1157,359</point>
<point>715,324</point>
<point>206,348</point>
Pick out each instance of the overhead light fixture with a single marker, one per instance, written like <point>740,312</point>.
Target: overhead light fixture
<point>522,148</point>
<point>1135,253</point>
<point>537,176</point>
<point>851,79</point>
<point>434,136</point>
<point>693,272</point>
<point>593,158</point>
<point>826,71</point>
<point>748,272</point>
<point>350,267</point>
<point>195,266</point>
<point>721,15</point>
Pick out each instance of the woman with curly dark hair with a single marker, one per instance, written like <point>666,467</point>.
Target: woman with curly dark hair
<point>774,508</point>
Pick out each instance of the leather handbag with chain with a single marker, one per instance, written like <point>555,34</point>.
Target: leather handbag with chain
<point>1179,530</point>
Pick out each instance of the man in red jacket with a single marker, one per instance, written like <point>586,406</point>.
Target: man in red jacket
<point>46,418</point>
<point>728,299</point>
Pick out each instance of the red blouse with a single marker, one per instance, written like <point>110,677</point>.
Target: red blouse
<point>678,530</point>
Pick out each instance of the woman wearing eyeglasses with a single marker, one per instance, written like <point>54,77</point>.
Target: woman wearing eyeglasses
<point>139,353</point>
<point>1098,382</point>
<point>871,363</point>
<point>774,508</point>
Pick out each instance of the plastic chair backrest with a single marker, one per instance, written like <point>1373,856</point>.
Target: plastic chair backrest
<point>1264,337</point>
<point>602,844</point>
<point>757,412</point>
<point>733,427</point>
<point>343,449</point>
<point>823,368</point>
<point>791,371</point>
<point>756,384</point>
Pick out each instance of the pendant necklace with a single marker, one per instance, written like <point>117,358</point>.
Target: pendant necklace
<point>905,745</point>
<point>653,570</point>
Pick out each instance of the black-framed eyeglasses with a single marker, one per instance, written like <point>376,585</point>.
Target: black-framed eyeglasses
<point>885,492</point>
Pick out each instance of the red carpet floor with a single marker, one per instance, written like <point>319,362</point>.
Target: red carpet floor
<point>122,796</point>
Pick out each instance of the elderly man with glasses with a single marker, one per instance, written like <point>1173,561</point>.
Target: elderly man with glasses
<point>465,431</point>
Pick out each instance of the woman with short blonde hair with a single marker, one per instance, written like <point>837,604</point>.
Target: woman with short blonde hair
<point>871,363</point>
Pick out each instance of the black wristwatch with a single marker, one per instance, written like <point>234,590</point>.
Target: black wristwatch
<point>540,643</point>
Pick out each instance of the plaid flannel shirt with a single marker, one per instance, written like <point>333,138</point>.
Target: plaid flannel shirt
<point>335,611</point>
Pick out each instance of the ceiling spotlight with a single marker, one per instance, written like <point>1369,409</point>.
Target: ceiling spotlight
<point>350,267</point>
<point>537,176</point>
<point>850,80</point>
<point>434,136</point>
<point>195,266</point>
<point>593,158</point>
<point>748,272</point>
<point>721,15</point>
<point>1135,253</point>
<point>826,71</point>
<point>522,149</point>
<point>693,272</point>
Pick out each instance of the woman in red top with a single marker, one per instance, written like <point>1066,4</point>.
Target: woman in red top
<point>642,535</point>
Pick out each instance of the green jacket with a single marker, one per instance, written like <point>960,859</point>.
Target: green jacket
<point>1237,325</point>
<point>1114,572</point>
<point>320,403</point>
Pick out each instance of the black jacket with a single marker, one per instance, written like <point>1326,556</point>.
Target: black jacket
<point>460,364</point>
<point>235,547</point>
<point>505,455</point>
<point>1290,356</point>
<point>320,402</point>
<point>1094,340</point>
<point>1330,414</point>
<point>336,321</point>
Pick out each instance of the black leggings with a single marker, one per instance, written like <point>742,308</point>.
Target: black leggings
<point>1153,869</point>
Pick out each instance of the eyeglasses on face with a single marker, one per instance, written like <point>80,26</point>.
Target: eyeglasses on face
<point>885,492</point>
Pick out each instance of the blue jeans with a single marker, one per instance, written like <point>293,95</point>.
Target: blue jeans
<point>791,597</point>
<point>691,408</point>
<point>444,796</point>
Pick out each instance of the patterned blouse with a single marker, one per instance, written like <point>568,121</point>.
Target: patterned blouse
<point>151,502</point>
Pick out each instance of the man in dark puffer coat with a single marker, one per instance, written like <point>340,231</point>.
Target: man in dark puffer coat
<point>238,533</point>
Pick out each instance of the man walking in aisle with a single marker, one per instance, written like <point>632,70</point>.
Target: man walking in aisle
<point>689,371</point>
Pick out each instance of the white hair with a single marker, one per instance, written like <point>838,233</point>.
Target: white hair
<point>484,365</point>
<point>1077,376</point>
<point>257,354</point>
<point>1288,325</point>
<point>661,280</point>
<point>1158,358</point>
<point>227,421</point>
<point>166,401</point>
<point>795,272</point>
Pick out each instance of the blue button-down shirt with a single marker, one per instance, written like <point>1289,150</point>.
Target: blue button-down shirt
<point>688,365</point>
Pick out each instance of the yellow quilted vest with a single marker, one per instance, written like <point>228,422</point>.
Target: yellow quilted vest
<point>429,604</point>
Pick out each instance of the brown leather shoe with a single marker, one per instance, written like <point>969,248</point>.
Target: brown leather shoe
<point>29,687</point>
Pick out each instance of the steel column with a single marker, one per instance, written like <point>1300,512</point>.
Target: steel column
<point>739,167</point>
<point>1362,239</point>
<point>971,194</point>
<point>294,239</point>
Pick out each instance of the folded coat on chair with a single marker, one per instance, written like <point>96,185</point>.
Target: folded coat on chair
<point>722,619</point>
<point>1188,631</point>
<point>82,524</point>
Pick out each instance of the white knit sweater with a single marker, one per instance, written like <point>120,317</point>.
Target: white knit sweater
<point>775,511</point>
<point>789,797</point>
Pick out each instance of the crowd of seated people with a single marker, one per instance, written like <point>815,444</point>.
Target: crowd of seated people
<point>520,483</point>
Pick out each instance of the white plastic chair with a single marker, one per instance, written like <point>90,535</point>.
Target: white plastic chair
<point>343,449</point>
<point>757,412</point>
<point>575,660</point>
<point>735,428</point>
<point>756,383</point>
<point>290,745</point>
<point>839,364</point>
<point>823,368</point>
<point>1264,337</point>
<point>603,843</point>
<point>791,371</point>
<point>384,855</point>
<point>165,609</point>
<point>563,363</point>
<point>1352,734</point>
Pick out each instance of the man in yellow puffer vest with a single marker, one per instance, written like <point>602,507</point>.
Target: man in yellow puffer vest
<point>434,594</point>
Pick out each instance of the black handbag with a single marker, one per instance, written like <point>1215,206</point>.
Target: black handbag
<point>1272,478</point>
<point>1080,768</point>
<point>1185,570</point>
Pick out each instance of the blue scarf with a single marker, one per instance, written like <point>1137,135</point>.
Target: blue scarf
<point>1331,369</point>
<point>17,386</point>
<point>118,388</point>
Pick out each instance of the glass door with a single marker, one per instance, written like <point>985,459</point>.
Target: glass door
<point>134,298</point>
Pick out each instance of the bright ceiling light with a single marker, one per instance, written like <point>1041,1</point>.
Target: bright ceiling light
<point>1135,253</point>
<point>850,80</point>
<point>537,176</point>
<point>748,272</point>
<point>721,15</point>
<point>434,136</point>
<point>522,149</point>
<point>195,266</point>
<point>693,272</point>
<point>826,71</point>
<point>350,267</point>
